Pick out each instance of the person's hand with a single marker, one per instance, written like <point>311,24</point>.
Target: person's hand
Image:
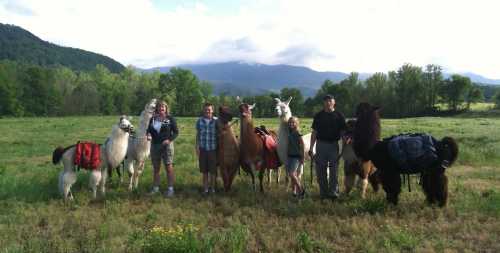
<point>166,142</point>
<point>301,161</point>
<point>148,137</point>
<point>310,153</point>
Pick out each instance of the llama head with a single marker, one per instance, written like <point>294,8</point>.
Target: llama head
<point>365,109</point>
<point>225,114</point>
<point>283,108</point>
<point>447,150</point>
<point>151,106</point>
<point>246,109</point>
<point>125,125</point>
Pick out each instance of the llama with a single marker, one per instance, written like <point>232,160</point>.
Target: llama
<point>252,149</point>
<point>432,165</point>
<point>284,113</point>
<point>354,166</point>
<point>112,154</point>
<point>138,148</point>
<point>228,153</point>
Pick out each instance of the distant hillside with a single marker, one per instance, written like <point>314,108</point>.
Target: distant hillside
<point>237,77</point>
<point>20,45</point>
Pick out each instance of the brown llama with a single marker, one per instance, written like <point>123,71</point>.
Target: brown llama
<point>353,165</point>
<point>228,152</point>
<point>252,150</point>
<point>432,165</point>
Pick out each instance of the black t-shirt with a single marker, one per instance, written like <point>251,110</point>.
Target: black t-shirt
<point>328,125</point>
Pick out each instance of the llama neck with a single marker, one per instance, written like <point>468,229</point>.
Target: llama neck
<point>246,131</point>
<point>143,123</point>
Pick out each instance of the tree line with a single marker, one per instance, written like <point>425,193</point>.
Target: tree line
<point>32,90</point>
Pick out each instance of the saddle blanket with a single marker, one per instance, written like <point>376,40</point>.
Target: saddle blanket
<point>271,159</point>
<point>87,155</point>
<point>414,153</point>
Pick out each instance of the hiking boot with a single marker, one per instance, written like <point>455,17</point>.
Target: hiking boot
<point>212,190</point>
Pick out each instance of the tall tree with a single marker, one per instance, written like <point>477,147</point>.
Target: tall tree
<point>454,90</point>
<point>431,82</point>
<point>181,88</point>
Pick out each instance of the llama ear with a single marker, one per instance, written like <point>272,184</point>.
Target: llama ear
<point>252,106</point>
<point>288,101</point>
<point>239,100</point>
<point>277,100</point>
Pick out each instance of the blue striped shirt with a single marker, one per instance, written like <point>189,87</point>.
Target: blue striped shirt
<point>206,134</point>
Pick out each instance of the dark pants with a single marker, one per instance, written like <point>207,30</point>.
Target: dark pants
<point>326,158</point>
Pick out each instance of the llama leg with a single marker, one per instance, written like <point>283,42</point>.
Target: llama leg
<point>269,176</point>
<point>278,174</point>
<point>435,187</point>
<point>374,181</point>
<point>363,186</point>
<point>365,172</point>
<point>427,186</point>
<point>137,172</point>
<point>391,182</point>
<point>95,178</point>
<point>442,189</point>
<point>349,182</point>
<point>103,182</point>
<point>261,178</point>
<point>129,167</point>
<point>68,179</point>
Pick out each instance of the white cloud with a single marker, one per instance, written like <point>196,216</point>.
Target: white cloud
<point>337,35</point>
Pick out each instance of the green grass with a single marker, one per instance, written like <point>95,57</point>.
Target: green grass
<point>33,218</point>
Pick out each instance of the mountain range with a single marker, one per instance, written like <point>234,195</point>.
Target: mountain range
<point>233,78</point>
<point>257,78</point>
<point>18,44</point>
<point>237,78</point>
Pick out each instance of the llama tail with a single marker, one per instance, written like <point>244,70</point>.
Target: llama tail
<point>449,150</point>
<point>57,154</point>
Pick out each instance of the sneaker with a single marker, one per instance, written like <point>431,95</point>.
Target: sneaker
<point>205,193</point>
<point>212,190</point>
<point>169,193</point>
<point>155,190</point>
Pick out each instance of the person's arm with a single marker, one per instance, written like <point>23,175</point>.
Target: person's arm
<point>313,141</point>
<point>148,131</point>
<point>175,130</point>
<point>343,125</point>
<point>196,141</point>
<point>302,154</point>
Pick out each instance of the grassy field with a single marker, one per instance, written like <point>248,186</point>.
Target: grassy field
<point>33,218</point>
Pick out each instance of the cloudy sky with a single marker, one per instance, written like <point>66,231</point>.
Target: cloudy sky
<point>333,35</point>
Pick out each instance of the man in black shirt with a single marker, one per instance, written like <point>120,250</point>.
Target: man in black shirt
<point>328,126</point>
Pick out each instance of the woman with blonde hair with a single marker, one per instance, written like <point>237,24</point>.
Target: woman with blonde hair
<point>162,132</point>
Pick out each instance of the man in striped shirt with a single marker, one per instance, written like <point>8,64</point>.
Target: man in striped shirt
<point>206,147</point>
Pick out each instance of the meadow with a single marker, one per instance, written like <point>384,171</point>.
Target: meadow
<point>34,218</point>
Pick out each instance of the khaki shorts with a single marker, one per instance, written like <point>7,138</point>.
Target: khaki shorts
<point>162,152</point>
<point>208,161</point>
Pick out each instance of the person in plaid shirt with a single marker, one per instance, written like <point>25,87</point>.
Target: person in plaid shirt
<point>206,147</point>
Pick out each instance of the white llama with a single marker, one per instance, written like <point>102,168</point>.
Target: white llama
<point>284,114</point>
<point>139,146</point>
<point>112,154</point>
